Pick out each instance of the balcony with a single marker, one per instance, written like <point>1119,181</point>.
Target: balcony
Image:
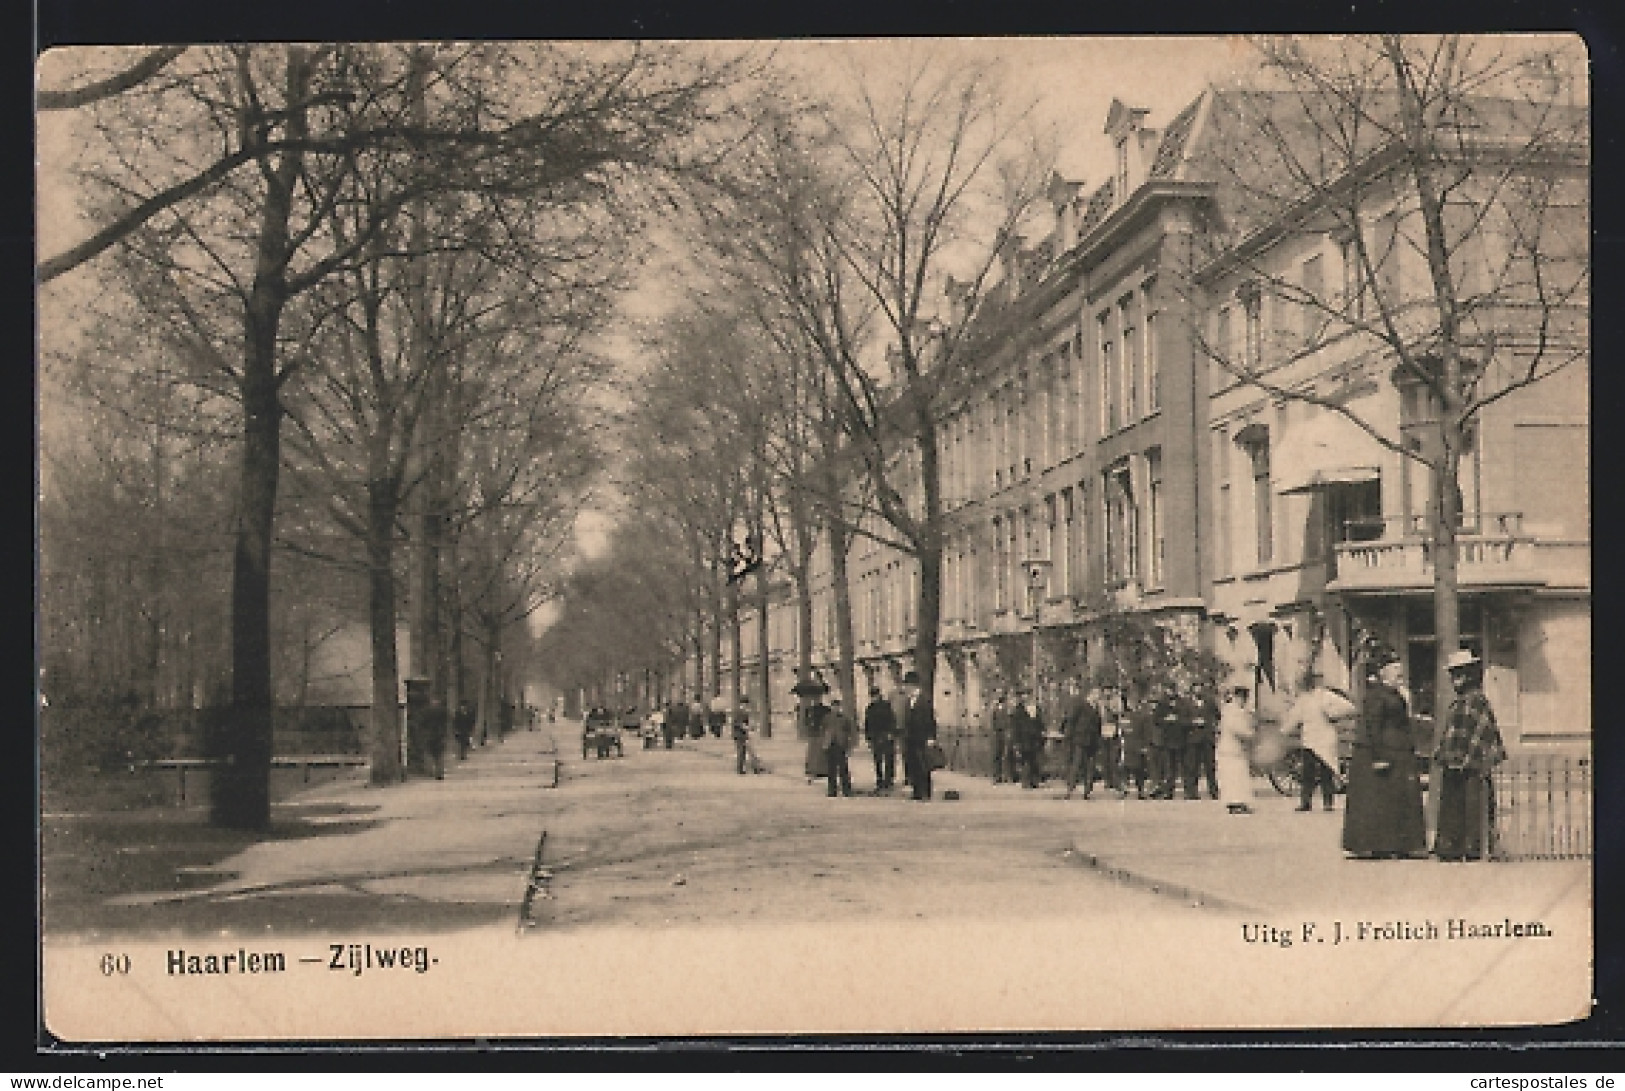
<point>1493,552</point>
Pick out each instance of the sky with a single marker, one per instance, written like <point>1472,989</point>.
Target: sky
<point>1071,80</point>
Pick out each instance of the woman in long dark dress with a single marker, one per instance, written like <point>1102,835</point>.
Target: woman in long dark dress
<point>1383,815</point>
<point>1467,754</point>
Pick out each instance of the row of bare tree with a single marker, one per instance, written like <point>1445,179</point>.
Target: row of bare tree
<point>375,272</point>
<point>851,293</point>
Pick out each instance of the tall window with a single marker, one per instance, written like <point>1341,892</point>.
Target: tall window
<point>1110,382</point>
<point>1045,409</point>
<point>1221,349</point>
<point>1066,408</point>
<point>1153,365</point>
<point>1012,557</point>
<point>1080,540</point>
<point>1221,530</point>
<point>1052,525</point>
<point>1389,257</point>
<point>1026,434</point>
<point>1065,576</point>
<point>1353,295</point>
<point>1263,509</point>
<point>1153,466</point>
<point>999,567</point>
<point>1314,285</point>
<point>1129,332</point>
<point>1010,429</point>
<point>1121,529</point>
<point>1252,305</point>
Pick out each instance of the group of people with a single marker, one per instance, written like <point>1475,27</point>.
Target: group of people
<point>833,734</point>
<point>1154,740</point>
<point>1383,818</point>
<point>1163,742</point>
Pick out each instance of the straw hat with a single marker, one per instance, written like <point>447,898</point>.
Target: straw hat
<point>1460,659</point>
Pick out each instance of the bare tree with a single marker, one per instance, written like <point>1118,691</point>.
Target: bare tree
<point>505,122</point>
<point>891,265</point>
<point>1452,172</point>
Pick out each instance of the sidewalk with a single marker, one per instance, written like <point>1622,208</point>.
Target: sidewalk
<point>457,853</point>
<point>1276,859</point>
<point>450,853</point>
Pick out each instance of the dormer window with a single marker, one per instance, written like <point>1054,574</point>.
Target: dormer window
<point>1123,124</point>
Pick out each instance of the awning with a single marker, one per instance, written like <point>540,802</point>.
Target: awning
<point>1326,450</point>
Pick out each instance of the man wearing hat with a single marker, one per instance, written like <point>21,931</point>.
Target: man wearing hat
<point>919,730</point>
<point>1027,729</point>
<point>838,735</point>
<point>1467,754</point>
<point>880,729</point>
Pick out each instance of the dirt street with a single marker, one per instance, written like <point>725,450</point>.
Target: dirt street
<point>677,837</point>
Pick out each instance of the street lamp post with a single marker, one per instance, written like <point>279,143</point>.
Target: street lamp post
<point>1037,570</point>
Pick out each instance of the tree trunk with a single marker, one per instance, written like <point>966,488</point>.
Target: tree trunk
<point>493,674</point>
<point>717,622</point>
<point>1446,592</point>
<point>737,633</point>
<point>384,746</point>
<point>764,651</point>
<point>930,555</point>
<point>804,642</point>
<point>846,671</point>
<point>699,655</point>
<point>242,787</point>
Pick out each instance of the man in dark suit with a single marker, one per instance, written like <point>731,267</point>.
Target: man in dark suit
<point>880,728</point>
<point>1168,732</point>
<point>1027,728</point>
<point>1200,742</point>
<point>1004,766</point>
<point>1080,727</point>
<point>919,729</point>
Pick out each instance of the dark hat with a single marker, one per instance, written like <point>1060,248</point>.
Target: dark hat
<point>912,678</point>
<point>874,691</point>
<point>1379,657</point>
<point>811,687</point>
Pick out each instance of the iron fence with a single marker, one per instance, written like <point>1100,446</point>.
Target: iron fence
<point>1543,808</point>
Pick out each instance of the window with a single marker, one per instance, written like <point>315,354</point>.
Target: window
<point>1013,559</point>
<point>1263,512</point>
<point>999,567</point>
<point>1026,434</point>
<point>1309,311</point>
<point>1079,565</point>
<point>1389,258</point>
<point>1065,577</point>
<point>1221,348</point>
<point>1353,294</point>
<point>1121,528</point>
<point>1252,305</point>
<point>1153,366</point>
<point>1221,531</point>
<point>1009,434</point>
<point>1109,379</point>
<point>1155,537</point>
<point>1065,408</point>
<point>1052,547</point>
<point>1122,168</point>
<point>1128,327</point>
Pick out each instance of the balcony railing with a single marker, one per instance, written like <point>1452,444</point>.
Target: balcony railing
<point>1491,549</point>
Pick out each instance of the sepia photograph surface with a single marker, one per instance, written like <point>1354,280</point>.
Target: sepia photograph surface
<point>548,539</point>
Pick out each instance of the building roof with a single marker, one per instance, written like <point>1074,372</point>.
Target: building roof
<point>1171,149</point>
